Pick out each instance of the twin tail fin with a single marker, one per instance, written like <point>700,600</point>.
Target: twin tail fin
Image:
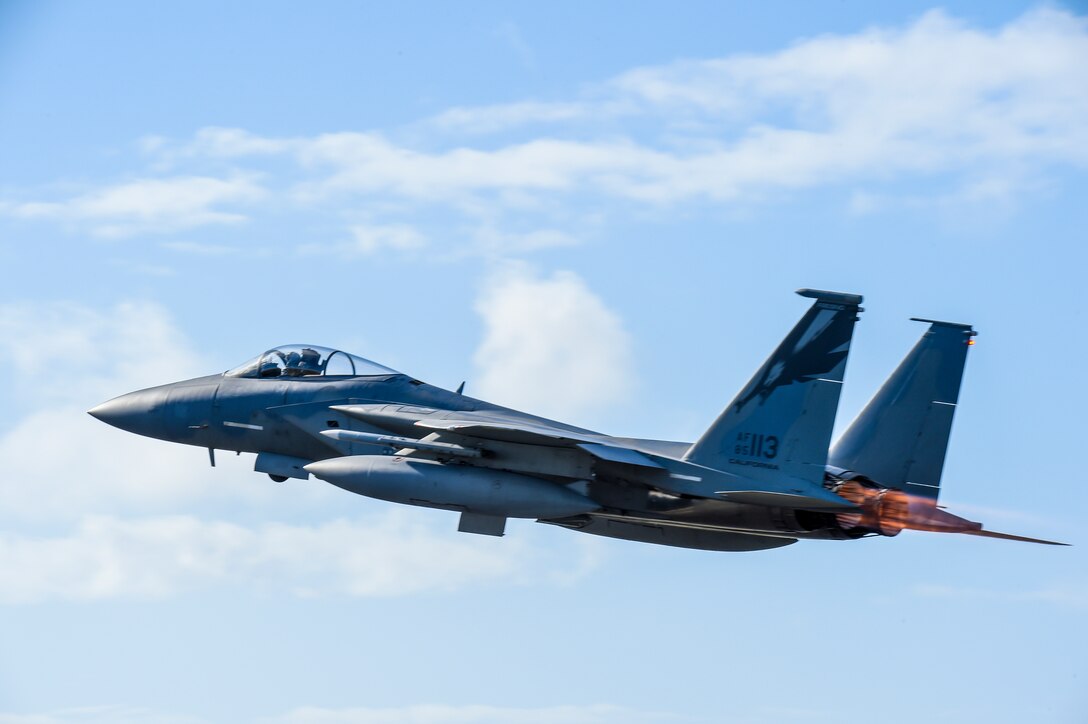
<point>779,425</point>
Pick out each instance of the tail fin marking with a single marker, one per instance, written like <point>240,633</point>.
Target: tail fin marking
<point>780,423</point>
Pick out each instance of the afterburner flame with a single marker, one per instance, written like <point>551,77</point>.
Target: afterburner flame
<point>883,511</point>
<point>887,512</point>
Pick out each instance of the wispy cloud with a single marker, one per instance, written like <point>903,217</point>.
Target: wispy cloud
<point>390,555</point>
<point>61,462</point>
<point>935,98</point>
<point>504,116</point>
<point>148,205</point>
<point>370,239</point>
<point>76,354</point>
<point>109,502</point>
<point>983,112</point>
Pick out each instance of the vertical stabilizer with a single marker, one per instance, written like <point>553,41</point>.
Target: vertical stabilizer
<point>780,424</point>
<point>900,438</point>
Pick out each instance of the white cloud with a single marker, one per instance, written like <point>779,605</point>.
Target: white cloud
<point>215,142</point>
<point>499,117</point>
<point>369,239</point>
<point>370,163</point>
<point>551,346</point>
<point>66,472</point>
<point>937,79</point>
<point>395,554</point>
<point>149,205</point>
<point>936,97</point>
<point>985,113</point>
<point>78,355</point>
<point>60,462</point>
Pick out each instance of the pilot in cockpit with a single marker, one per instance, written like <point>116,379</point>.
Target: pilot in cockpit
<point>268,368</point>
<point>302,363</point>
<point>297,360</point>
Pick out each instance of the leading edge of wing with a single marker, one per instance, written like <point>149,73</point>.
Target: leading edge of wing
<point>509,431</point>
<point>486,425</point>
<point>541,435</point>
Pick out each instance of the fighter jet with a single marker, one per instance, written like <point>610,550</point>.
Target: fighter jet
<point>761,476</point>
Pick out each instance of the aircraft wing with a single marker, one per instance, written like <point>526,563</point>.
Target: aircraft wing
<point>485,427</point>
<point>530,434</point>
<point>497,423</point>
<point>523,432</point>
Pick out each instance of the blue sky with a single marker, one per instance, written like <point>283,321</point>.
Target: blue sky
<point>597,213</point>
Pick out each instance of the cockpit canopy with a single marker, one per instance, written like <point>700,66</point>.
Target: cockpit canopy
<point>308,360</point>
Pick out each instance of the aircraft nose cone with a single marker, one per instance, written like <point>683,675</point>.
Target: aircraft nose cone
<point>131,412</point>
<point>107,412</point>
